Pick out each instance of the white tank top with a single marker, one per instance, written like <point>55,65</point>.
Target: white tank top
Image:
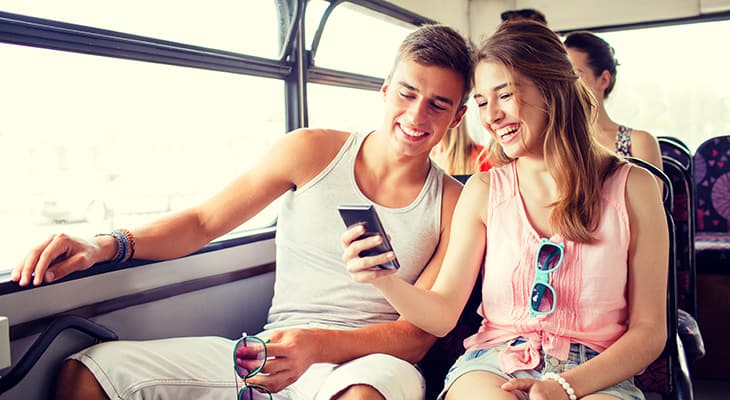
<point>312,285</point>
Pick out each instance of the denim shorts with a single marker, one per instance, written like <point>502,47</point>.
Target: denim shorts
<point>487,360</point>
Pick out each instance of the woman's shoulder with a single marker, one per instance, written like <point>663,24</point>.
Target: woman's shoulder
<point>641,138</point>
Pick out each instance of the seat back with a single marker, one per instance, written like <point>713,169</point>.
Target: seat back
<point>684,220</point>
<point>676,149</point>
<point>712,183</point>
<point>668,375</point>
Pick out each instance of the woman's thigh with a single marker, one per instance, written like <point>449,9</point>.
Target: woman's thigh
<point>479,385</point>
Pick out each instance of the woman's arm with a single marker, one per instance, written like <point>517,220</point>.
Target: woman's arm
<point>647,293</point>
<point>437,310</point>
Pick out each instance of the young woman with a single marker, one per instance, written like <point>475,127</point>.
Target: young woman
<point>593,59</point>
<point>574,287</point>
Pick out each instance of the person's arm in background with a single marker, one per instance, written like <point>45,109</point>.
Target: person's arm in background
<point>646,147</point>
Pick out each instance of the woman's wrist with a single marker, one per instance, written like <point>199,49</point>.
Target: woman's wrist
<point>562,382</point>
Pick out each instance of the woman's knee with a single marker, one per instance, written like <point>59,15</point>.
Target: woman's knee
<point>359,392</point>
<point>75,381</point>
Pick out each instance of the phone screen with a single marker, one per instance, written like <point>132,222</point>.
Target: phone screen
<point>365,214</point>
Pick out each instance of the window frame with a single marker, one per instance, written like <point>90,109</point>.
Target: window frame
<point>293,67</point>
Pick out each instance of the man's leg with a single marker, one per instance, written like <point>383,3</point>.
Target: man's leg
<point>76,382</point>
<point>374,376</point>
<point>198,368</point>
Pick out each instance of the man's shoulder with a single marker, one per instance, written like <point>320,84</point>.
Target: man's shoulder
<point>314,142</point>
<point>305,152</point>
<point>320,134</point>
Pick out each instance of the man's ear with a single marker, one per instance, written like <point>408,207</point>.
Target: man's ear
<point>384,87</point>
<point>457,118</point>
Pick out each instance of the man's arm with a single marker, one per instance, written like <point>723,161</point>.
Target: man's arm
<point>296,158</point>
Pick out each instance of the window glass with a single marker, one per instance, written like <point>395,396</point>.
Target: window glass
<point>363,110</point>
<point>671,81</point>
<point>249,27</point>
<point>313,14</point>
<point>89,143</point>
<point>370,45</point>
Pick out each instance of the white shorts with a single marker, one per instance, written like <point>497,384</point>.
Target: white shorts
<point>202,368</point>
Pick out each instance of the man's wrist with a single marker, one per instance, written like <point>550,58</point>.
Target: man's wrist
<point>107,245</point>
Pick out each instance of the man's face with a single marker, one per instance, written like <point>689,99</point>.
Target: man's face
<point>421,103</point>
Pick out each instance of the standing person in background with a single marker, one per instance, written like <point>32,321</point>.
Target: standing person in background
<point>594,61</point>
<point>525,13</point>
<point>571,241</point>
<point>458,153</point>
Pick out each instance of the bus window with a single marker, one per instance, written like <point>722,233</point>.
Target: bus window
<point>358,113</point>
<point>671,80</point>
<point>371,44</point>
<point>220,24</point>
<point>92,142</point>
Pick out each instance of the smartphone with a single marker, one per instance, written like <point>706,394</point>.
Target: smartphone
<point>365,214</point>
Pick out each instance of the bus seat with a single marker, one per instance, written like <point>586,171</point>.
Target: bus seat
<point>669,374</point>
<point>675,148</point>
<point>712,186</point>
<point>684,220</point>
<point>44,340</point>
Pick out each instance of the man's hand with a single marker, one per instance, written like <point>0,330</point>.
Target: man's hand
<point>54,258</point>
<point>290,353</point>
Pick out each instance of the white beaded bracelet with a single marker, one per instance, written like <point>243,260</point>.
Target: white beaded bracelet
<point>566,386</point>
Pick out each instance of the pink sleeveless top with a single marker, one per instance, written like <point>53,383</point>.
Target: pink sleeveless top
<point>590,285</point>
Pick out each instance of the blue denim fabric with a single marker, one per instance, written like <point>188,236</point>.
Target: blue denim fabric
<point>487,360</point>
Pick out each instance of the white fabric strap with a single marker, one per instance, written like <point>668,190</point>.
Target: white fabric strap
<point>566,386</point>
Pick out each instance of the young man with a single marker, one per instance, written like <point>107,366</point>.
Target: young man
<point>330,337</point>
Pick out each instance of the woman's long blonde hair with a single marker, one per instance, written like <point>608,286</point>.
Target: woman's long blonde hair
<point>574,158</point>
<point>460,151</point>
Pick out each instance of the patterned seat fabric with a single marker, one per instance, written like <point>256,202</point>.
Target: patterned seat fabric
<point>712,184</point>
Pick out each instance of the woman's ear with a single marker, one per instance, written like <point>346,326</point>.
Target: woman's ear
<point>604,80</point>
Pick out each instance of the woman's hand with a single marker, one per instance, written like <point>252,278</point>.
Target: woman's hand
<point>536,389</point>
<point>364,269</point>
<point>56,257</point>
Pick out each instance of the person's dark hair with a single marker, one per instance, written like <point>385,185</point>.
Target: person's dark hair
<point>440,46</point>
<point>525,13</point>
<point>578,163</point>
<point>600,55</point>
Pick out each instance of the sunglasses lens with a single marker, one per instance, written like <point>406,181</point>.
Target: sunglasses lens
<point>250,357</point>
<point>548,257</point>
<point>254,392</point>
<point>542,298</point>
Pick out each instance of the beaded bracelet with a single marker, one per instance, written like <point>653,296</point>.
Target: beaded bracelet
<point>566,386</point>
<point>125,245</point>
<point>129,239</point>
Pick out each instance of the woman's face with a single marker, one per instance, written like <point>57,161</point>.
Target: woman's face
<point>579,59</point>
<point>511,108</point>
